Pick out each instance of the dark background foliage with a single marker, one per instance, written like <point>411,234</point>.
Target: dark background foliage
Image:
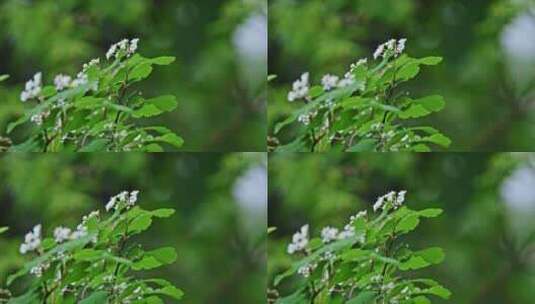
<point>218,84</point>
<point>221,256</point>
<point>487,228</point>
<point>487,76</point>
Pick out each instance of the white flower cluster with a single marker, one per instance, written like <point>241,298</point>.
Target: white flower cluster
<point>391,47</point>
<point>62,234</point>
<point>129,199</point>
<point>329,81</point>
<point>62,82</point>
<point>360,62</point>
<point>329,234</point>
<point>306,270</point>
<point>80,232</point>
<point>123,47</point>
<point>81,79</point>
<point>39,117</point>
<point>32,240</point>
<point>91,63</point>
<point>39,269</point>
<point>305,118</point>
<point>33,88</point>
<point>348,80</point>
<point>299,240</point>
<point>392,198</point>
<point>300,88</point>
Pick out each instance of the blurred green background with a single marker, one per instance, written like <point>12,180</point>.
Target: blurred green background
<point>487,76</point>
<point>487,229</point>
<point>219,76</point>
<point>218,230</point>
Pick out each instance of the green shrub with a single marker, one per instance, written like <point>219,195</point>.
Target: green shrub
<point>366,109</point>
<point>99,109</point>
<point>95,262</point>
<point>365,262</point>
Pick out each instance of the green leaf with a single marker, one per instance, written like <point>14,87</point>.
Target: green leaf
<point>154,300</point>
<point>140,223</point>
<point>48,243</point>
<point>30,145</point>
<point>165,103</point>
<point>3,77</point>
<point>414,111</point>
<point>48,91</point>
<point>413,263</point>
<point>88,102</point>
<point>156,106</point>
<point>408,71</point>
<point>355,102</point>
<point>408,223</point>
<point>171,139</point>
<point>88,255</point>
<point>165,255</point>
<point>3,229</point>
<point>147,110</point>
<point>421,148</point>
<point>117,107</point>
<point>430,212</point>
<point>297,145</point>
<point>365,297</point>
<point>421,300</point>
<point>438,139</point>
<point>12,125</point>
<point>432,60</point>
<point>384,107</point>
<point>297,297</point>
<point>163,60</point>
<point>172,292</point>
<point>141,71</point>
<point>30,297</point>
<point>365,145</point>
<point>95,146</point>
<point>439,291</point>
<point>432,103</point>
<point>153,148</point>
<point>163,213</point>
<point>423,107</point>
<point>423,258</point>
<point>355,255</point>
<point>146,263</point>
<point>97,297</point>
<point>433,255</point>
<point>315,91</point>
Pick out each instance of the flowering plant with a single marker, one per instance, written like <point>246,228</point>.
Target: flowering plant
<point>364,262</point>
<point>363,110</point>
<point>93,263</point>
<point>97,109</point>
